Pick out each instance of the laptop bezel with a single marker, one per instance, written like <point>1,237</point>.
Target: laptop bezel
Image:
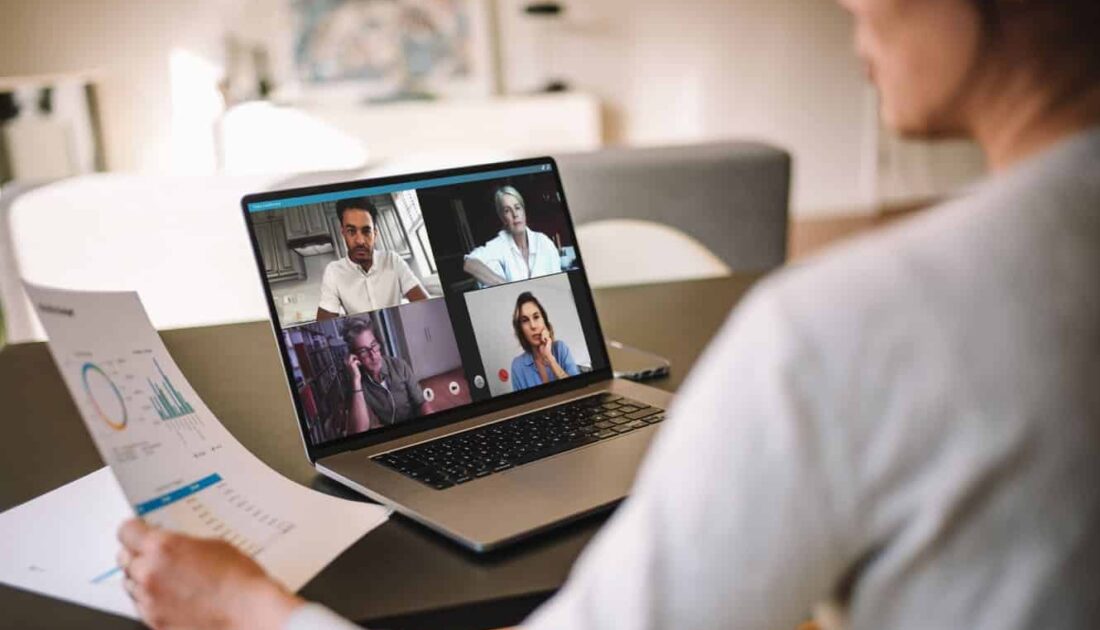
<point>367,439</point>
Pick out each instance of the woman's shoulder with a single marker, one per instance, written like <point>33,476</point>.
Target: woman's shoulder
<point>540,237</point>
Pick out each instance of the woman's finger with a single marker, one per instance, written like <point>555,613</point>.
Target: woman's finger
<point>132,534</point>
<point>139,569</point>
<point>135,591</point>
<point>123,558</point>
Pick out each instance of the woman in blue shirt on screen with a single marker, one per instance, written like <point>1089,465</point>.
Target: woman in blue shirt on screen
<point>544,359</point>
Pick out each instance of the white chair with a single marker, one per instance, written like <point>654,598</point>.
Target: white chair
<point>620,252</point>
<point>180,242</point>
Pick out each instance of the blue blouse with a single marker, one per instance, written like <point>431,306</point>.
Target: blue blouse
<point>526,374</point>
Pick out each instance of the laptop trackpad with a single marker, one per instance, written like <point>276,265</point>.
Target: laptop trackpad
<point>589,476</point>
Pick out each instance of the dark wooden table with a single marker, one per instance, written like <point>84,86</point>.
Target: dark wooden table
<point>400,575</point>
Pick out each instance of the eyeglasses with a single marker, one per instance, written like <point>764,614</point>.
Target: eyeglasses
<point>373,348</point>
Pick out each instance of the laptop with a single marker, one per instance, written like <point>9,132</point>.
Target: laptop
<point>443,351</point>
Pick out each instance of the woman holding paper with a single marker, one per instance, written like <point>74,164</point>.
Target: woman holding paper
<point>906,429</point>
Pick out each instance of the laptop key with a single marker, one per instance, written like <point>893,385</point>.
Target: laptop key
<point>623,428</point>
<point>560,448</point>
<point>638,415</point>
<point>606,433</point>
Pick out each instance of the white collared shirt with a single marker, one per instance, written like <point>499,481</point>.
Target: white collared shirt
<point>503,256</point>
<point>345,286</point>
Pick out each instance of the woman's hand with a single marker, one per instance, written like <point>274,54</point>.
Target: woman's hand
<point>545,355</point>
<point>545,348</point>
<point>183,582</point>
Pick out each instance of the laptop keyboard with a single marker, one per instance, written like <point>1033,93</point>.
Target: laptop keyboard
<point>494,448</point>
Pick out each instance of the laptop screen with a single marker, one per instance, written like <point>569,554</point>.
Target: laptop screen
<point>403,300</point>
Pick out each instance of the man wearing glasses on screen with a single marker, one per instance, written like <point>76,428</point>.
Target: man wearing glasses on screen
<point>384,390</point>
<point>365,280</point>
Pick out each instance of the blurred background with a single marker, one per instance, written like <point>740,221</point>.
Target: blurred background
<point>739,134</point>
<point>197,86</point>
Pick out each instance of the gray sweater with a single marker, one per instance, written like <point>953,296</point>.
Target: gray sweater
<point>911,422</point>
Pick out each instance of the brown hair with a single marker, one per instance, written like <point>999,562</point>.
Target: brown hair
<point>524,298</point>
<point>1067,24</point>
<point>356,326</point>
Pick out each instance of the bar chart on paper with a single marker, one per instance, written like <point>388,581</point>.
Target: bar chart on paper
<point>166,399</point>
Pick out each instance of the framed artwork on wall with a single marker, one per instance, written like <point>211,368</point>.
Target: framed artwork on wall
<point>379,50</point>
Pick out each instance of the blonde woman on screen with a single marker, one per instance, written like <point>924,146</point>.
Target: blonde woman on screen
<point>517,252</point>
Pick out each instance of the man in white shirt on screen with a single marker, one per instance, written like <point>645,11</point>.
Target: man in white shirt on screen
<point>365,280</point>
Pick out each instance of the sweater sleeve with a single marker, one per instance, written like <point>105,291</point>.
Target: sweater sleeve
<point>730,523</point>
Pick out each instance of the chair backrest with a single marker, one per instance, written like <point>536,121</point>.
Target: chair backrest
<point>180,242</point>
<point>618,252</point>
<point>732,196</point>
<point>20,323</point>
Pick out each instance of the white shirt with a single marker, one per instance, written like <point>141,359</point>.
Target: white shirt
<point>503,256</point>
<point>345,286</point>
<point>920,410</point>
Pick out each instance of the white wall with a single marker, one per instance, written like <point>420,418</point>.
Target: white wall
<point>668,71</point>
<point>430,337</point>
<point>693,70</point>
<point>130,43</point>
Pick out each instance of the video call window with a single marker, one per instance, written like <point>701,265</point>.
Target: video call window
<point>314,256</point>
<point>370,371</point>
<point>353,275</point>
<point>498,231</point>
<point>528,333</point>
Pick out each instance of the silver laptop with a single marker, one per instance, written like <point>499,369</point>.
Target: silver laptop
<point>443,351</point>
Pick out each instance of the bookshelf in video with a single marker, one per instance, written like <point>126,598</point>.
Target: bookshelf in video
<point>410,299</point>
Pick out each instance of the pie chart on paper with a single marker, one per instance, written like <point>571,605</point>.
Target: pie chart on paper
<point>104,396</point>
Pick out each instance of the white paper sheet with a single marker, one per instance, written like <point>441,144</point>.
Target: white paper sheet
<point>176,464</point>
<point>63,544</point>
